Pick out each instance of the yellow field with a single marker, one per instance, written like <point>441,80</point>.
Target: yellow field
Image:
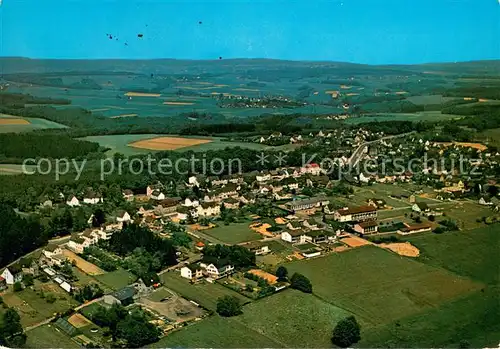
<point>168,143</point>
<point>78,320</point>
<point>477,146</point>
<point>178,103</point>
<point>142,94</point>
<point>82,264</point>
<point>14,121</point>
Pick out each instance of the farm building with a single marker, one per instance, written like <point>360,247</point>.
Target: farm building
<point>364,228</point>
<point>413,229</point>
<point>124,296</point>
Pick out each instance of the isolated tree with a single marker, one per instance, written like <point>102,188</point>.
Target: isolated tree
<point>346,332</point>
<point>301,283</point>
<point>281,273</point>
<point>228,306</point>
<point>11,330</point>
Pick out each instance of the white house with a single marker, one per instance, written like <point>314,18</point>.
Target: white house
<point>192,272</point>
<point>73,201</point>
<point>208,209</point>
<point>157,195</point>
<point>294,236</point>
<point>217,271</point>
<point>193,202</point>
<point>123,216</point>
<point>12,274</point>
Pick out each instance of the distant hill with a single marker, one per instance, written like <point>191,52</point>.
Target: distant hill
<point>9,65</point>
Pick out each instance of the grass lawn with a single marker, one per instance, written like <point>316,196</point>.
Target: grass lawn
<point>293,318</point>
<point>233,233</point>
<point>203,293</point>
<point>216,332</point>
<point>48,336</point>
<point>466,213</point>
<point>380,286</point>
<point>116,279</point>
<point>89,310</point>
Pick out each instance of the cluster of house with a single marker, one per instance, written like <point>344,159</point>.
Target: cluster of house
<point>227,192</point>
<point>51,255</point>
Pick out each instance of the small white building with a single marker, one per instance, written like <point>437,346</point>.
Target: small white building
<point>73,201</point>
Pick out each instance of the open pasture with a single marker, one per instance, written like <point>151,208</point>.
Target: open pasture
<point>380,286</point>
<point>216,332</point>
<point>203,293</point>
<point>466,213</point>
<point>168,143</point>
<point>234,233</point>
<point>293,318</point>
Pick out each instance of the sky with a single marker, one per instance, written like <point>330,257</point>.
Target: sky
<point>359,31</point>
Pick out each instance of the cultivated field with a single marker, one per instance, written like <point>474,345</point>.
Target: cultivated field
<point>380,286</point>
<point>141,94</point>
<point>82,264</point>
<point>10,123</point>
<point>205,294</point>
<point>78,320</point>
<point>234,233</point>
<point>168,143</point>
<point>13,121</point>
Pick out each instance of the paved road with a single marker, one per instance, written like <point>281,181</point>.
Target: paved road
<point>357,155</point>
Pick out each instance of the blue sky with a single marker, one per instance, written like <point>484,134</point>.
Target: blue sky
<point>361,31</point>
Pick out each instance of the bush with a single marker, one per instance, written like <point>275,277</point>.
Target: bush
<point>18,287</point>
<point>439,230</point>
<point>346,332</point>
<point>50,298</point>
<point>228,306</point>
<point>301,283</point>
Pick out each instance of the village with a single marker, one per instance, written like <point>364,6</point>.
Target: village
<point>232,233</point>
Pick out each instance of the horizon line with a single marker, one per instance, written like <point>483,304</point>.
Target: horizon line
<point>249,59</point>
